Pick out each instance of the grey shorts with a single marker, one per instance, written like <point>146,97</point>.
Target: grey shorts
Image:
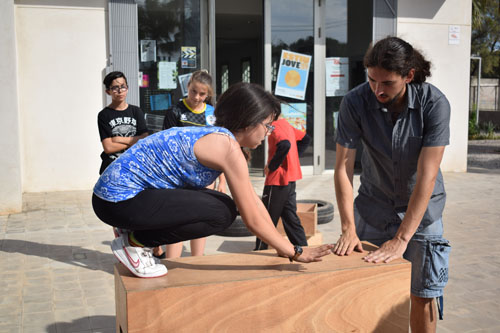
<point>427,251</point>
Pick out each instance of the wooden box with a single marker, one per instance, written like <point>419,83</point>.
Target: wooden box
<point>261,292</point>
<point>308,215</point>
<point>314,240</point>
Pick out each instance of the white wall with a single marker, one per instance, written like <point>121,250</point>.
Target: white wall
<point>424,24</point>
<point>61,58</point>
<point>10,158</point>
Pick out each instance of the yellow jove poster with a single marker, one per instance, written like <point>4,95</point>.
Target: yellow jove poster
<point>292,75</point>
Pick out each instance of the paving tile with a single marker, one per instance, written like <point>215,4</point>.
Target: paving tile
<point>104,330</point>
<point>10,310</point>
<point>102,322</point>
<point>40,319</point>
<point>61,295</point>
<point>10,319</point>
<point>11,329</point>
<point>72,321</point>
<point>38,307</point>
<point>51,328</point>
<point>12,300</point>
<point>66,304</point>
<point>39,297</point>
<point>101,301</point>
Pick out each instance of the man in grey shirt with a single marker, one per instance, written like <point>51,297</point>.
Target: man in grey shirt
<point>403,124</point>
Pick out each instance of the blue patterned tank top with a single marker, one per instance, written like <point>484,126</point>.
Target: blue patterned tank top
<point>164,160</point>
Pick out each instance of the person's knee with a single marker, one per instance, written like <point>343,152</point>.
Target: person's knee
<point>230,212</point>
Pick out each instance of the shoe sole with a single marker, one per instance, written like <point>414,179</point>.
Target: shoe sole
<point>116,247</point>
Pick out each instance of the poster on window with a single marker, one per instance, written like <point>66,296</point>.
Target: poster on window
<point>292,75</point>
<point>295,114</point>
<point>167,72</point>
<point>143,80</point>
<point>148,50</point>
<point>337,76</point>
<point>183,82</point>
<point>188,57</point>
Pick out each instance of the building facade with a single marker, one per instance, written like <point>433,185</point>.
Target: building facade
<point>56,53</point>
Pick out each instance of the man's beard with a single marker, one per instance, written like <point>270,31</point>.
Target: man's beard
<point>395,98</point>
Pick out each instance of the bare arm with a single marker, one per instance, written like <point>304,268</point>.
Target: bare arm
<point>223,153</point>
<point>427,171</point>
<point>221,186</point>
<point>129,140</point>
<point>111,147</point>
<point>344,171</point>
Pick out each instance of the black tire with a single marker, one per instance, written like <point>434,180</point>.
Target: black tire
<point>325,209</point>
<point>236,229</point>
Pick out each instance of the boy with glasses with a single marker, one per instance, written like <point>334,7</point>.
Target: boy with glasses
<point>120,124</point>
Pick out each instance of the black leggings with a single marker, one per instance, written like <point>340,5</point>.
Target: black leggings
<point>167,216</point>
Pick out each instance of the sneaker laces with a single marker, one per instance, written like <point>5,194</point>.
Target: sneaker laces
<point>148,254</point>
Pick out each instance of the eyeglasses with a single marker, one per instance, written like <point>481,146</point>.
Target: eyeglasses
<point>269,128</point>
<point>117,89</point>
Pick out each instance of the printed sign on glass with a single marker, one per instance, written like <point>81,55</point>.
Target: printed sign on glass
<point>167,72</point>
<point>295,114</point>
<point>292,75</point>
<point>337,76</point>
<point>148,50</point>
<point>188,57</point>
<point>183,82</point>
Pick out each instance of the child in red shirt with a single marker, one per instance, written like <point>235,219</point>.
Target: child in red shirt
<point>285,145</point>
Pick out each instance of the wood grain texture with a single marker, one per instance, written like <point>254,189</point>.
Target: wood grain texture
<point>308,216</point>
<point>260,292</point>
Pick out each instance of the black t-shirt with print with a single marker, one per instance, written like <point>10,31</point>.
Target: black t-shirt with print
<point>125,123</point>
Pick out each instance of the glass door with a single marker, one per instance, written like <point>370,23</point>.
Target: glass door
<point>348,32</point>
<point>238,53</point>
<point>292,35</point>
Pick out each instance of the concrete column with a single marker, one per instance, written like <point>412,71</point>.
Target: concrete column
<point>10,157</point>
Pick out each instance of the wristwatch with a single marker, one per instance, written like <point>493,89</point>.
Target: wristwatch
<point>298,251</point>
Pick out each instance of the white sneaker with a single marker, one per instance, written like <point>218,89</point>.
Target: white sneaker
<point>138,260</point>
<point>119,231</point>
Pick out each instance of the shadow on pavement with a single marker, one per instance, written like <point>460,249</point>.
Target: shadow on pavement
<point>236,246</point>
<point>483,156</point>
<point>102,324</point>
<point>72,255</point>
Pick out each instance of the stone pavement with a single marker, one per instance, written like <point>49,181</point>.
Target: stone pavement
<point>56,264</point>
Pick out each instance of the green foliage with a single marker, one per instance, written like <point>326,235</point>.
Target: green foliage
<point>485,39</point>
<point>473,127</point>
<point>485,131</point>
<point>489,128</point>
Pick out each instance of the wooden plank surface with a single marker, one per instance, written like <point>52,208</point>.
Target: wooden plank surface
<point>261,292</point>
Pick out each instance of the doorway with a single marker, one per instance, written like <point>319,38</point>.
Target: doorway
<point>239,52</point>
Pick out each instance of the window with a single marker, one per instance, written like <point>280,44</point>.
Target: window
<point>224,79</point>
<point>245,71</point>
<point>169,50</point>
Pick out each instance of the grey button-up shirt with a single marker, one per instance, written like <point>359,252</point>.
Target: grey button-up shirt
<point>390,152</point>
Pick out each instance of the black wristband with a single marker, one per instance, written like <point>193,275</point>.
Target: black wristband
<point>298,251</point>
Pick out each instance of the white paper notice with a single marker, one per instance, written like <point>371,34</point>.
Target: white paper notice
<point>454,34</point>
<point>337,76</point>
<point>166,75</point>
